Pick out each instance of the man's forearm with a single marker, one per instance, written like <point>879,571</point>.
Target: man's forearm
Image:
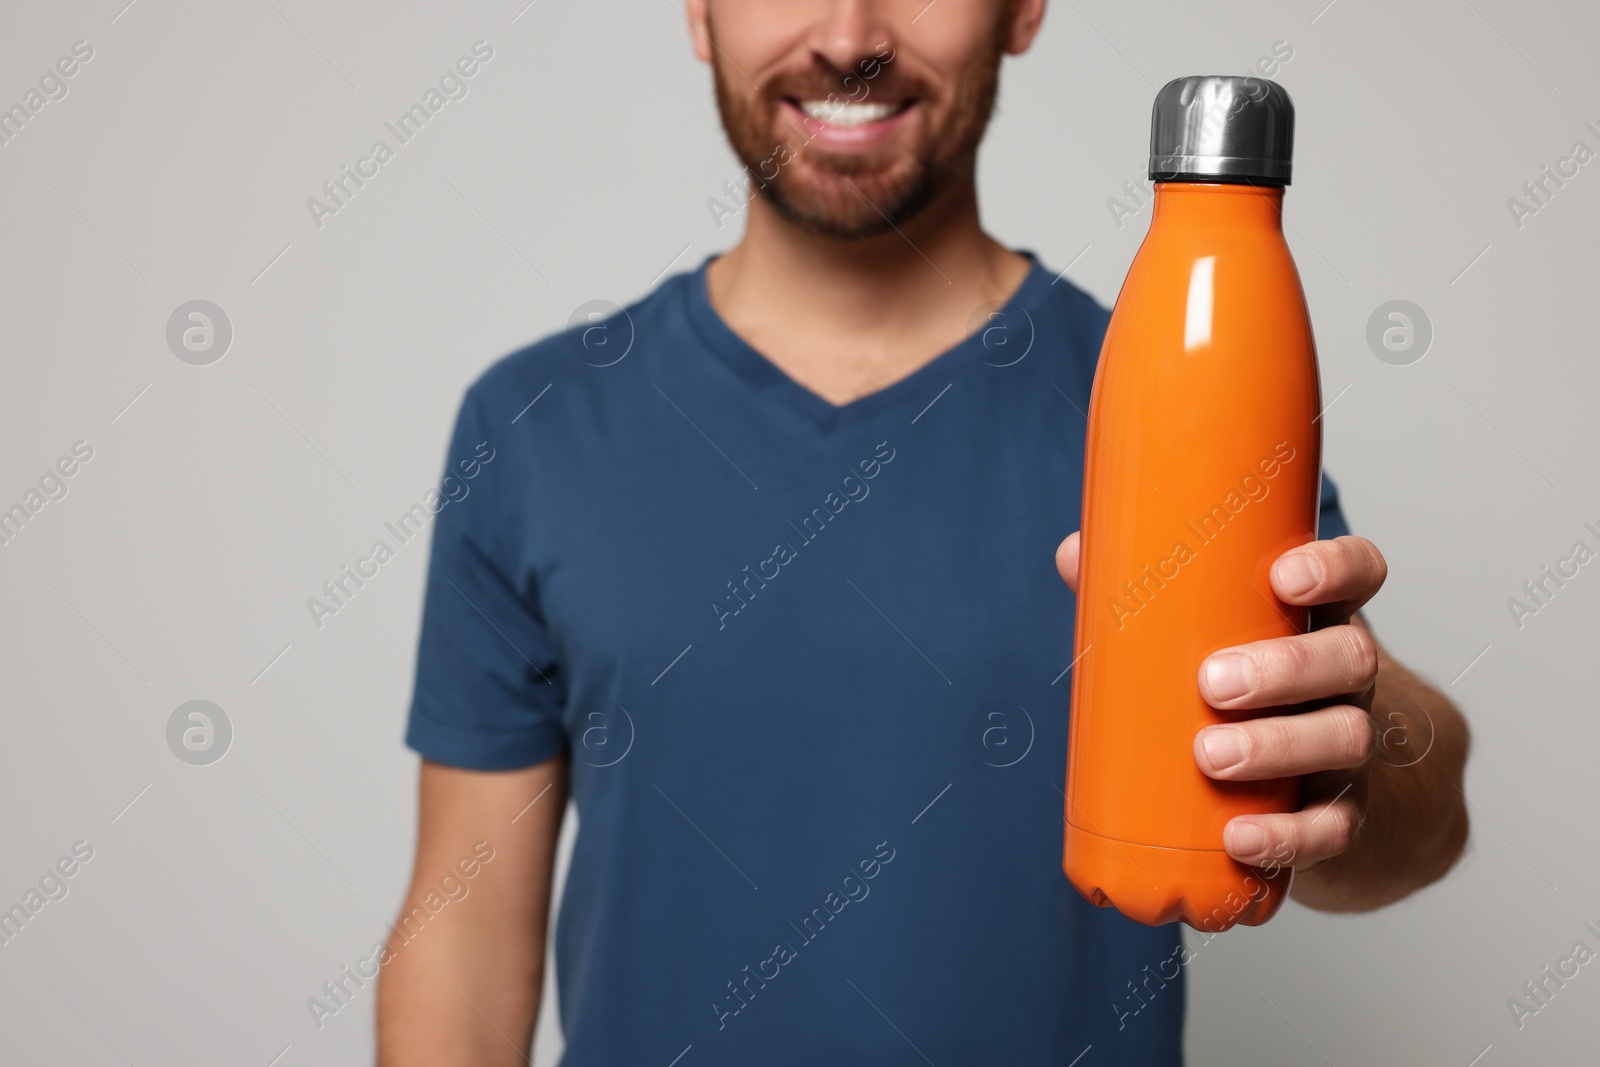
<point>1415,825</point>
<point>438,1004</point>
<point>464,966</point>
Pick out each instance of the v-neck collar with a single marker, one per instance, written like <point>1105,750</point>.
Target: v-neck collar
<point>765,376</point>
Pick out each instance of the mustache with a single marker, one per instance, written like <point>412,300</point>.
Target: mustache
<point>871,76</point>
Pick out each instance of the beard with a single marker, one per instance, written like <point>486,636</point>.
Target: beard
<point>858,195</point>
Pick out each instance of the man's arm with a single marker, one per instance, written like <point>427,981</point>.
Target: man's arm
<point>461,985</point>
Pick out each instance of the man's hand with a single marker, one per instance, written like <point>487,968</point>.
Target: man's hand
<point>1329,678</point>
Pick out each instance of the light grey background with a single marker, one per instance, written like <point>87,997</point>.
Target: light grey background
<point>220,497</point>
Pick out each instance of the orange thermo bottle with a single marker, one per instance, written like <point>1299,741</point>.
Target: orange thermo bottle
<point>1203,464</point>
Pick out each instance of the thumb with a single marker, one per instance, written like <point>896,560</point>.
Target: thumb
<point>1067,561</point>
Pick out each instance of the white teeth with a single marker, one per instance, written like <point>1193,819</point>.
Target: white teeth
<point>845,114</point>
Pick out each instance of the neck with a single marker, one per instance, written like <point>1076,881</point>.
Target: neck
<point>846,317</point>
<point>932,252</point>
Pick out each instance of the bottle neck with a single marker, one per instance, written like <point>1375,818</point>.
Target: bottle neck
<point>1220,203</point>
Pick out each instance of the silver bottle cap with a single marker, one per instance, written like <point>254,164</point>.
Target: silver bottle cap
<point>1222,128</point>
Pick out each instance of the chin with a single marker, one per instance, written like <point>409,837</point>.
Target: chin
<point>847,202</point>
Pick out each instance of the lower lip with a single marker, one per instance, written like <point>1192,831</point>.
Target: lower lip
<point>849,138</point>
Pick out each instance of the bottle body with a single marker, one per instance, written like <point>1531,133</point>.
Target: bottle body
<point>1203,464</point>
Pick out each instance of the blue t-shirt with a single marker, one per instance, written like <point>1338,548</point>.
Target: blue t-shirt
<point>810,663</point>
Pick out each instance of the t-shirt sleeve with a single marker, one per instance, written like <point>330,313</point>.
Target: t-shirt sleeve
<point>488,693</point>
<point>1331,523</point>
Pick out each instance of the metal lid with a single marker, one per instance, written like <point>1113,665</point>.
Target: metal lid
<point>1222,128</point>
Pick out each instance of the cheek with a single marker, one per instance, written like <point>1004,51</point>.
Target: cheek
<point>962,83</point>
<point>962,35</point>
<point>750,38</point>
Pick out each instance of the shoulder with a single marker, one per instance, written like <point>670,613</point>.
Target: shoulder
<point>1069,322</point>
<point>1072,307</point>
<point>599,335</point>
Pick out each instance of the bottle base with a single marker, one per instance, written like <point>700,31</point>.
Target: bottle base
<point>1208,890</point>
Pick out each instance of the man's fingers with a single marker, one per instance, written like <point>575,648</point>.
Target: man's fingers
<point>1320,831</point>
<point>1283,746</point>
<point>1067,561</point>
<point>1338,576</point>
<point>1290,670</point>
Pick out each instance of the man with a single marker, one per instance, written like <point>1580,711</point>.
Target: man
<point>758,574</point>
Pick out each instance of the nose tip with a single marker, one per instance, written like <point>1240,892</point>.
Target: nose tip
<point>850,32</point>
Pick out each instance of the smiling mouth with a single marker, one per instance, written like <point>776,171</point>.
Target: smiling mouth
<point>847,115</point>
